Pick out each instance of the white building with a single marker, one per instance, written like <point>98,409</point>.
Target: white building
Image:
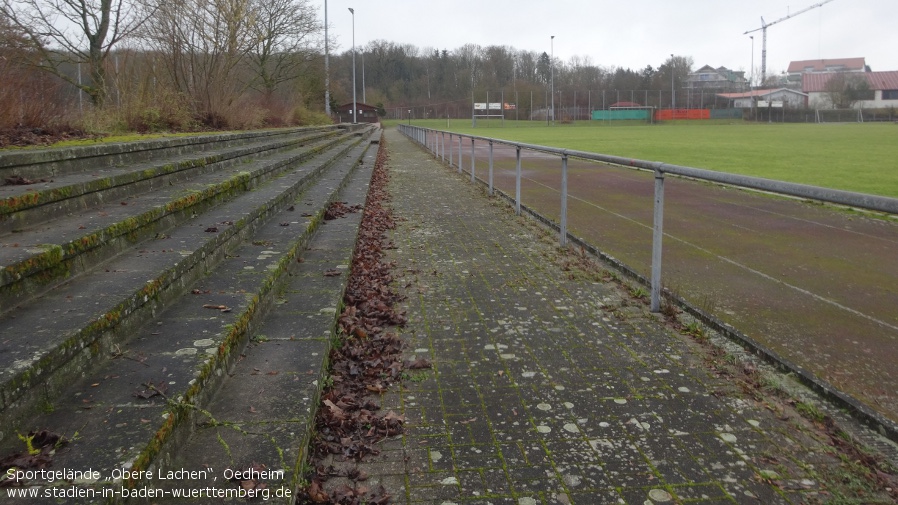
<point>781,97</point>
<point>883,90</point>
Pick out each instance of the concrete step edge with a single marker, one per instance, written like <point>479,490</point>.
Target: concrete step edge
<point>59,262</point>
<point>127,313</point>
<point>13,208</point>
<point>52,162</point>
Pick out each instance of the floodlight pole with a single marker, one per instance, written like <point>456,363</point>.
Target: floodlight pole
<point>751,79</point>
<point>751,75</point>
<point>673,93</point>
<point>552,67</point>
<point>355,107</point>
<point>327,73</point>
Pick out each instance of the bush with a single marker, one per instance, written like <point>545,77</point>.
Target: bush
<point>303,117</point>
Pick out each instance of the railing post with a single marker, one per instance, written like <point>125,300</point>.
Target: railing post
<point>459,155</point>
<point>472,159</point>
<point>450,149</point>
<point>491,168</point>
<point>443,147</point>
<point>517,183</point>
<point>563,228</point>
<point>657,236</point>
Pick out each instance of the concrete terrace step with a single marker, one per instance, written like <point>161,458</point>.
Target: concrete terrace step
<point>263,413</point>
<point>73,242</point>
<point>22,206</point>
<point>55,162</point>
<point>56,338</point>
<point>185,350</point>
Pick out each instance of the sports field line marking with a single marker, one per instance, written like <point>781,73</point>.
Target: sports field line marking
<point>732,262</point>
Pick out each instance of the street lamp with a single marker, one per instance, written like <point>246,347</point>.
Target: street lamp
<point>327,73</point>
<point>355,107</point>
<point>673,93</point>
<point>751,78</point>
<point>552,66</point>
<point>751,81</point>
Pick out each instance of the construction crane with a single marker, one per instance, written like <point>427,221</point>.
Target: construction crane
<point>763,29</point>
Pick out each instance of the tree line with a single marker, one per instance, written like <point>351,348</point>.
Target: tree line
<point>186,64</point>
<point>160,64</point>
<point>404,75</point>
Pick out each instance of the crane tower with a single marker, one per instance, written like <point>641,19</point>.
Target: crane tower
<point>763,29</point>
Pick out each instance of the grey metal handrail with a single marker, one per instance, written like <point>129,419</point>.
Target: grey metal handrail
<point>429,138</point>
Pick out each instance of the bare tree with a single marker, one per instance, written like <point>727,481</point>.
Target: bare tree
<point>202,44</point>
<point>74,32</point>
<point>284,36</point>
<point>845,89</point>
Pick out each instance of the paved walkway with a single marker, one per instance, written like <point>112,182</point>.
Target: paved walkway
<point>552,385</point>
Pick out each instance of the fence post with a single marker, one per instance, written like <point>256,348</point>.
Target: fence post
<point>491,168</point>
<point>563,228</point>
<point>517,184</point>
<point>459,155</point>
<point>442,147</point>
<point>472,159</point>
<point>450,149</point>
<point>657,236</point>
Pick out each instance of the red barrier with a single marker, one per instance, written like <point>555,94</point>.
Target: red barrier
<point>672,114</point>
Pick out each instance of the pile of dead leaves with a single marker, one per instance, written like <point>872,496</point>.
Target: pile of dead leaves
<point>368,361</point>
<point>18,180</point>
<point>337,210</point>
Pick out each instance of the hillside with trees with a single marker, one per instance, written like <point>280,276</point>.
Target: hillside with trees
<point>183,65</point>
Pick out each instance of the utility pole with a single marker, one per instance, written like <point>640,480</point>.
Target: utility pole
<point>552,64</point>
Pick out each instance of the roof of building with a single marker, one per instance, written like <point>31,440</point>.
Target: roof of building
<point>730,75</point>
<point>816,83</point>
<point>851,64</point>
<point>883,80</point>
<point>758,93</point>
<point>348,106</point>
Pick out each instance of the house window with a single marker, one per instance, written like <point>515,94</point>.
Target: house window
<point>704,77</point>
<point>890,94</point>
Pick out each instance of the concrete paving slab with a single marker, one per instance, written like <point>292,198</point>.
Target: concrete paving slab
<point>551,384</point>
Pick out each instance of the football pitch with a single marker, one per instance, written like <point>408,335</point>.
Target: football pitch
<point>860,157</point>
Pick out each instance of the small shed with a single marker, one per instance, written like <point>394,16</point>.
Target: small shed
<point>365,113</point>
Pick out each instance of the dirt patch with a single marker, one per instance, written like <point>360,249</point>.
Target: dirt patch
<point>25,137</point>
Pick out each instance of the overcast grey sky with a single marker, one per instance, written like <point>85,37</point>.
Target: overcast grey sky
<point>633,33</point>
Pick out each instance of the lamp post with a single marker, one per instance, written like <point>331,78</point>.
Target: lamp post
<point>355,107</point>
<point>327,73</point>
<point>552,66</point>
<point>673,93</point>
<point>751,78</point>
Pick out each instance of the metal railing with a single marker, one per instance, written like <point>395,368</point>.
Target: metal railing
<point>436,142</point>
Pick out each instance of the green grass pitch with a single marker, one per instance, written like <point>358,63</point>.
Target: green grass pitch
<point>861,157</point>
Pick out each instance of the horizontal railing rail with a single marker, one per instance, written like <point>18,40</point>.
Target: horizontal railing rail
<point>435,141</point>
<point>450,147</point>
